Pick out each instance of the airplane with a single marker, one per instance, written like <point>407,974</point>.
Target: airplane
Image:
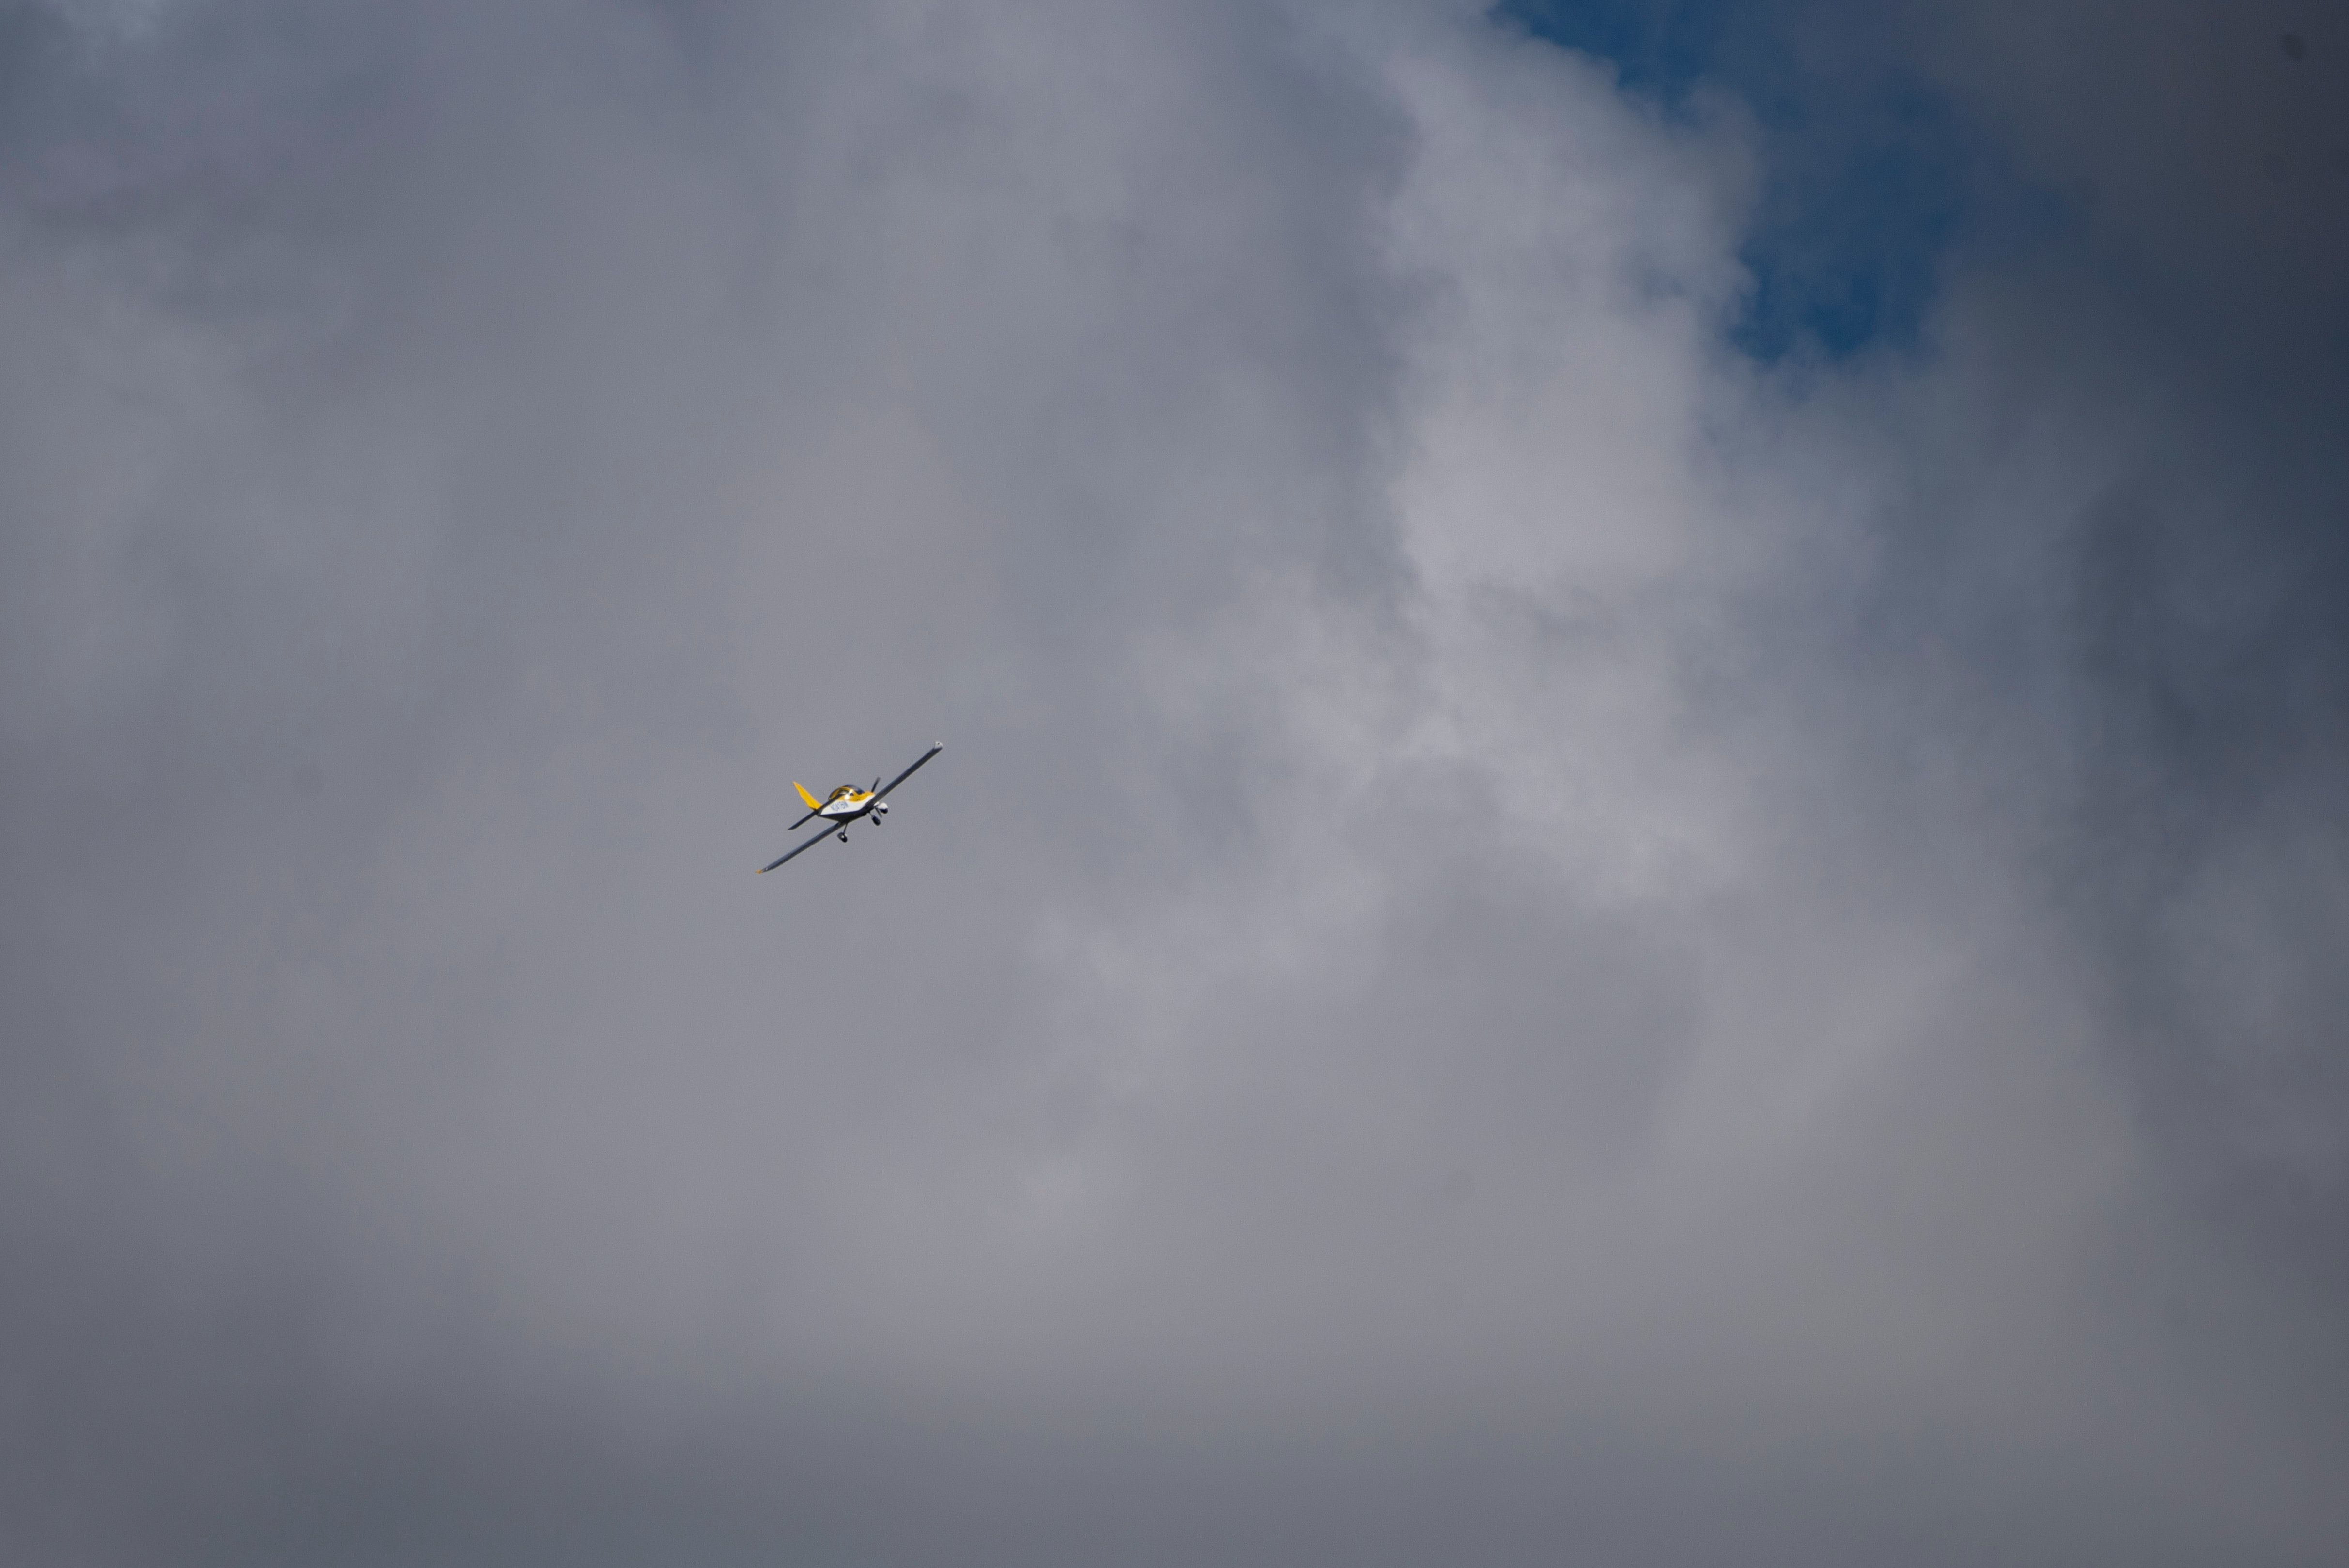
<point>845,805</point>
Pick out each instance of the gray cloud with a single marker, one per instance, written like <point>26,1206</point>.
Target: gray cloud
<point>1533,941</point>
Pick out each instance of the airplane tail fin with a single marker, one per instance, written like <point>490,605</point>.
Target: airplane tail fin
<point>812,803</point>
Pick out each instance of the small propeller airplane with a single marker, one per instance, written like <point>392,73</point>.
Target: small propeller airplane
<point>845,805</point>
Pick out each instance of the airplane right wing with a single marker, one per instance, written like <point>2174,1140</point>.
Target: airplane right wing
<point>883,794</point>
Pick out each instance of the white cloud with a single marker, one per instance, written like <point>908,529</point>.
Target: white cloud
<point>1438,941</point>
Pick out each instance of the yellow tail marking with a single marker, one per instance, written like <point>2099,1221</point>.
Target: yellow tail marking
<point>813,804</point>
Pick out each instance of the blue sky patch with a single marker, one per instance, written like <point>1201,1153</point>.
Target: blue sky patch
<point>1869,175</point>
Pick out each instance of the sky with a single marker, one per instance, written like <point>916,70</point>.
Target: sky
<point>1639,858</point>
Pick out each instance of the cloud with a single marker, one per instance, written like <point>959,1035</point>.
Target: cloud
<point>1533,940</point>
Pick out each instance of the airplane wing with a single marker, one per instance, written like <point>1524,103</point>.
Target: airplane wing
<point>880,794</point>
<point>797,849</point>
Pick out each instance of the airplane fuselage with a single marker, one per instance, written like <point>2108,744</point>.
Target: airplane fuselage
<point>852,807</point>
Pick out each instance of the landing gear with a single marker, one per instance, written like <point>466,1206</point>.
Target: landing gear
<point>843,835</point>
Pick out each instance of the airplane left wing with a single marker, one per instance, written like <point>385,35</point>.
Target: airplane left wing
<point>798,849</point>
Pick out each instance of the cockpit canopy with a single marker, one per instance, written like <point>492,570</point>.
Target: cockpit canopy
<point>843,791</point>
